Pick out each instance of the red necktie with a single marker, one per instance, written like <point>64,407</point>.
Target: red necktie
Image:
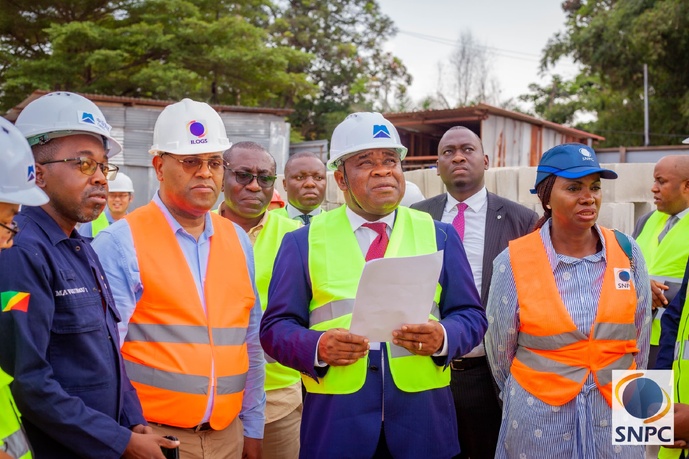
<point>380,243</point>
<point>458,222</point>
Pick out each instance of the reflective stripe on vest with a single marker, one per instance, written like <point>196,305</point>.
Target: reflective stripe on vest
<point>12,438</point>
<point>554,358</point>
<point>667,259</point>
<point>99,224</point>
<point>335,269</point>
<point>680,367</point>
<point>173,346</point>
<point>265,250</point>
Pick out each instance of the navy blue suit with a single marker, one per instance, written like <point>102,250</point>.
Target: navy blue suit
<point>417,425</point>
<point>63,352</point>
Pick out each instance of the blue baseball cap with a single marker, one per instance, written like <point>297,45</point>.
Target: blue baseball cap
<point>570,160</point>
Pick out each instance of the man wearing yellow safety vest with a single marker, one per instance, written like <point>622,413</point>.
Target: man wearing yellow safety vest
<point>17,187</point>
<point>662,236</point>
<point>370,399</point>
<point>304,183</point>
<point>183,281</point>
<point>248,186</point>
<point>120,196</point>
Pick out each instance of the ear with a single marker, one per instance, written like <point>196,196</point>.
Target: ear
<point>485,162</point>
<point>339,179</point>
<point>284,183</point>
<point>437,169</point>
<point>158,167</point>
<point>40,179</point>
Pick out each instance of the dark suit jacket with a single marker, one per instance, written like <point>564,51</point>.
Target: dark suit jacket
<point>505,220</point>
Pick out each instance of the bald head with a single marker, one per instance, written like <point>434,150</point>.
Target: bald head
<point>671,184</point>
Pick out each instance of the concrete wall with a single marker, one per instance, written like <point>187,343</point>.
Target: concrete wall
<point>624,200</point>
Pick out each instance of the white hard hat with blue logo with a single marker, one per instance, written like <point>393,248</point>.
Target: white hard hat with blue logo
<point>18,172</point>
<point>189,127</point>
<point>363,131</point>
<point>61,114</point>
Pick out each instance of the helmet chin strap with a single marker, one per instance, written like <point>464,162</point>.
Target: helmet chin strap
<point>349,188</point>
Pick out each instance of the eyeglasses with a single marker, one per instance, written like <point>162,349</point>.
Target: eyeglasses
<point>13,230</point>
<point>244,178</point>
<point>192,164</point>
<point>88,166</point>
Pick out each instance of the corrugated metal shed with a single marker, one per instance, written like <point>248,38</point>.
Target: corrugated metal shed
<point>509,138</point>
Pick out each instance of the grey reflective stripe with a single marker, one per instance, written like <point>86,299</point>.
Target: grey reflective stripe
<point>176,382</point>
<point>676,356</point>
<point>231,384</point>
<point>543,364</point>
<point>685,351</point>
<point>157,333</point>
<point>330,311</point>
<point>607,330</point>
<point>398,351</point>
<point>435,311</point>
<point>229,336</point>
<point>604,375</point>
<point>16,444</point>
<point>550,342</point>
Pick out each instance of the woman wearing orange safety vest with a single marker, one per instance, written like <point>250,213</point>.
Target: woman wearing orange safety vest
<point>568,304</point>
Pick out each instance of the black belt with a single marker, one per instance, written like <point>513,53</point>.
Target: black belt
<point>199,428</point>
<point>468,363</point>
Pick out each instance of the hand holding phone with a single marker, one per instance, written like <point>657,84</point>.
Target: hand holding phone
<point>170,453</point>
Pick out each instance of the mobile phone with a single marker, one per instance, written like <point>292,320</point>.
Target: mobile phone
<point>170,453</point>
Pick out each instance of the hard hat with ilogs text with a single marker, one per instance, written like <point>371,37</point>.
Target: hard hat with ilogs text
<point>18,171</point>
<point>189,128</point>
<point>363,131</point>
<point>60,114</point>
<point>121,184</point>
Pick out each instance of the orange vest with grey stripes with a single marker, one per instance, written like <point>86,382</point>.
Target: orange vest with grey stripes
<point>553,358</point>
<point>176,354</point>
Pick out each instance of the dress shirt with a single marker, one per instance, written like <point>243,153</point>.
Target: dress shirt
<point>86,229</point>
<point>474,235</point>
<point>69,379</point>
<point>293,212</point>
<point>116,247</point>
<point>581,427</point>
<point>474,228</point>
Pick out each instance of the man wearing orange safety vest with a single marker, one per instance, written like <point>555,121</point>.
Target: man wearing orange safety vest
<point>182,278</point>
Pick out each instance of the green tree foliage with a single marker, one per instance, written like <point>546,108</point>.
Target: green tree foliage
<point>350,67</point>
<point>164,49</point>
<point>612,39</point>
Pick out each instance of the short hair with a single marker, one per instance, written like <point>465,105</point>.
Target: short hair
<point>302,154</point>
<point>248,145</point>
<point>458,128</point>
<point>46,152</point>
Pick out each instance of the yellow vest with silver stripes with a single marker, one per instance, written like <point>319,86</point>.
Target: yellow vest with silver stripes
<point>13,441</point>
<point>335,266</point>
<point>265,250</point>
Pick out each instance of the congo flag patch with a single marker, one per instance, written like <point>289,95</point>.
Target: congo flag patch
<point>14,301</point>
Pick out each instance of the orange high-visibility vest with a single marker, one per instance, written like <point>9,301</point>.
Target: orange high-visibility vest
<point>553,358</point>
<point>171,343</point>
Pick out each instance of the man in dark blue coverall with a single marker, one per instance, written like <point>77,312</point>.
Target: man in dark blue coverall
<point>58,325</point>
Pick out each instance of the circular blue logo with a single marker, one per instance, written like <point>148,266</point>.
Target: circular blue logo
<point>642,398</point>
<point>196,128</point>
<point>624,276</point>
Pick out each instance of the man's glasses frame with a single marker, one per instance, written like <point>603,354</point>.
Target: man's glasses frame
<point>13,229</point>
<point>191,164</point>
<point>245,178</point>
<point>88,166</point>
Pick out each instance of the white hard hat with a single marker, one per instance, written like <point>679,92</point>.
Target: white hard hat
<point>18,172</point>
<point>121,184</point>
<point>412,194</point>
<point>189,128</point>
<point>363,131</point>
<point>60,114</point>
<point>686,140</point>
